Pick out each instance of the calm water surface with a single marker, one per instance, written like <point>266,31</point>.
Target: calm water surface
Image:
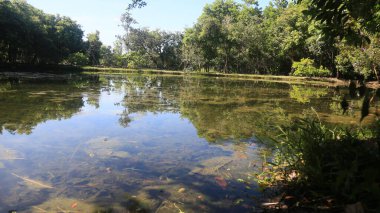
<point>140,143</point>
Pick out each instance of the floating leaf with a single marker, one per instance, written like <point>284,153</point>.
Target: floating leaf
<point>240,180</point>
<point>74,205</point>
<point>181,190</point>
<point>221,182</point>
<point>240,155</point>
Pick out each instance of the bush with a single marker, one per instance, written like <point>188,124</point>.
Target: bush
<point>306,67</point>
<point>78,59</point>
<point>137,60</point>
<point>342,164</point>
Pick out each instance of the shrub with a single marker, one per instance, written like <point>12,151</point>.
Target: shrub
<point>338,163</point>
<point>306,67</point>
<point>78,59</point>
<point>137,60</point>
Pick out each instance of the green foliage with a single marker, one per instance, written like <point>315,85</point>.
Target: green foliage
<point>306,67</point>
<point>78,59</point>
<point>326,161</point>
<point>136,60</point>
<point>93,47</point>
<point>40,104</point>
<point>31,36</point>
<point>107,57</point>
<point>362,63</point>
<point>230,36</point>
<point>305,94</point>
<point>240,37</point>
<point>349,19</point>
<point>159,49</point>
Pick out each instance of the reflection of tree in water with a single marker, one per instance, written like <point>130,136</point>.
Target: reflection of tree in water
<point>227,109</point>
<point>154,94</point>
<point>304,94</point>
<point>353,100</point>
<point>29,100</point>
<point>147,94</point>
<point>218,108</point>
<point>230,109</point>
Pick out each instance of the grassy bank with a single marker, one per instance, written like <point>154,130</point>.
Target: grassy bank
<point>49,68</point>
<point>273,78</point>
<point>321,81</point>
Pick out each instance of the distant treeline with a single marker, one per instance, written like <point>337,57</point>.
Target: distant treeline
<point>301,38</point>
<point>29,35</point>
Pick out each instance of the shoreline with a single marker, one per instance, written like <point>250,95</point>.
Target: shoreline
<point>315,81</point>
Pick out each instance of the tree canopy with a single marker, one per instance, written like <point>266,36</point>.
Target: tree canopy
<point>31,36</point>
<point>340,38</point>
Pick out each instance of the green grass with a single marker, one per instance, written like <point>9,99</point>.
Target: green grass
<point>274,78</point>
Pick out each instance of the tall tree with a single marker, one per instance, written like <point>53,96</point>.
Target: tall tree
<point>93,47</point>
<point>29,35</point>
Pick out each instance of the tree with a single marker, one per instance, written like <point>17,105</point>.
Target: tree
<point>362,63</point>
<point>31,36</point>
<point>161,49</point>
<point>107,57</point>
<point>69,37</point>
<point>355,23</point>
<point>136,4</point>
<point>212,34</point>
<point>93,47</point>
<point>78,58</point>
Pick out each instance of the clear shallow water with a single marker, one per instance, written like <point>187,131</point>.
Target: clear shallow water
<point>140,143</point>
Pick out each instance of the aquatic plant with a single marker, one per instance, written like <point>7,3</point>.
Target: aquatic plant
<point>317,162</point>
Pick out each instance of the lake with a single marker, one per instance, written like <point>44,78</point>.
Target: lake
<point>145,143</point>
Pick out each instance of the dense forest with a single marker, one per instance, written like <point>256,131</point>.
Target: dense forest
<point>304,38</point>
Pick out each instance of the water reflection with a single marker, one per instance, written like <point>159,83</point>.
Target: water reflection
<point>107,143</point>
<point>27,101</point>
<point>219,109</point>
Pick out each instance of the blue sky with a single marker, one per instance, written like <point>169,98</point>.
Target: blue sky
<point>104,15</point>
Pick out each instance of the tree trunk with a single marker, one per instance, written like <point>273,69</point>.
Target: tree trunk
<point>375,71</point>
<point>226,62</point>
<point>11,54</point>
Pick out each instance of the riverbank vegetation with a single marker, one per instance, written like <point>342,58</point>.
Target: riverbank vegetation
<point>285,38</point>
<point>319,167</point>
